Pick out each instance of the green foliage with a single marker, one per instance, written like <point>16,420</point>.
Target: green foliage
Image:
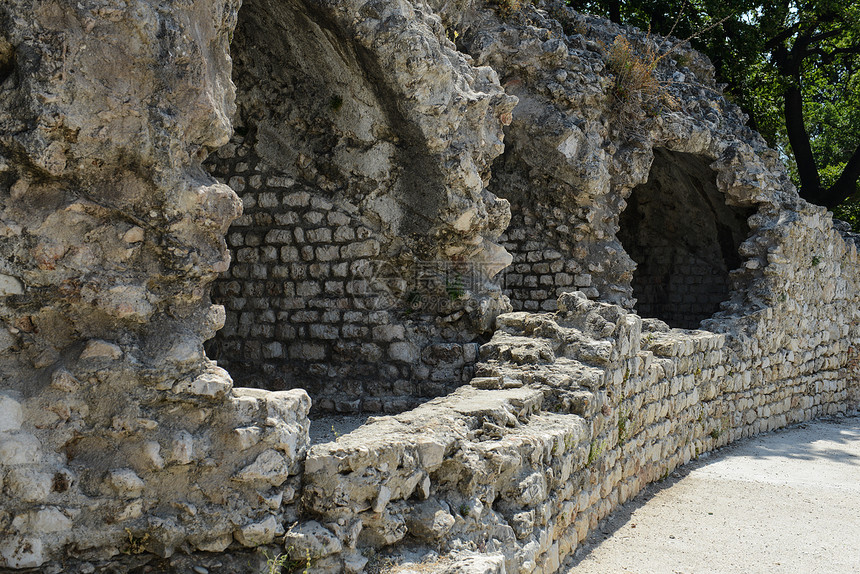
<point>282,563</point>
<point>594,451</point>
<point>766,52</point>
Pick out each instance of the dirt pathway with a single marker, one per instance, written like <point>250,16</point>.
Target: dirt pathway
<point>785,502</point>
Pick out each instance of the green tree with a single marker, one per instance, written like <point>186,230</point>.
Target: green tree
<point>792,65</point>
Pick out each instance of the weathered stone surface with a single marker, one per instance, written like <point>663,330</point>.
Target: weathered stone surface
<point>258,533</point>
<point>380,206</point>
<point>11,415</point>
<point>311,539</point>
<point>110,233</point>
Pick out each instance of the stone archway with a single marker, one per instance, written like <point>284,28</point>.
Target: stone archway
<point>684,239</point>
<point>343,194</point>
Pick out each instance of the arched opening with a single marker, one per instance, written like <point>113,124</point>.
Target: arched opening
<point>684,239</point>
<point>339,193</point>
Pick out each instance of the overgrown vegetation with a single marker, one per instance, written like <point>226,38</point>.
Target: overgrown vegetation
<point>636,88</point>
<point>792,66</point>
<point>508,8</point>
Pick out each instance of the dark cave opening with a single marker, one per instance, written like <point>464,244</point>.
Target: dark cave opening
<point>684,239</point>
<point>332,174</point>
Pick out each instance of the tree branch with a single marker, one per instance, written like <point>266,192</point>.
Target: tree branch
<point>846,185</point>
<point>810,182</point>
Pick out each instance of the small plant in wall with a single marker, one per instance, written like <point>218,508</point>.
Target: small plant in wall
<point>507,8</point>
<point>281,563</point>
<point>625,423</point>
<point>136,542</point>
<point>636,89</point>
<point>594,451</point>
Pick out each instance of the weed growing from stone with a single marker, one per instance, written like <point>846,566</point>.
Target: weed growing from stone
<point>136,543</point>
<point>281,562</point>
<point>594,451</point>
<point>507,8</point>
<point>636,89</point>
<point>624,420</point>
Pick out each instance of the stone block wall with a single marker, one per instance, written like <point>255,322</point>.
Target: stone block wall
<point>311,300</point>
<point>365,136</point>
<point>572,414</point>
<point>543,243</point>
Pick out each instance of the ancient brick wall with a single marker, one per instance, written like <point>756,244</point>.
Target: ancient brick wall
<point>545,263</point>
<point>311,301</point>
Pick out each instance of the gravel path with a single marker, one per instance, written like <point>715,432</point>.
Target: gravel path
<point>785,502</point>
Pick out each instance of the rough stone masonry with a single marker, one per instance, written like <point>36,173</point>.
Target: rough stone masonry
<point>441,210</point>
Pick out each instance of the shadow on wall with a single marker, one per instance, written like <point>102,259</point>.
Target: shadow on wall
<point>340,193</point>
<point>684,239</point>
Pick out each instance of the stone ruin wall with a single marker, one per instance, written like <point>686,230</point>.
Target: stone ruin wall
<point>119,434</point>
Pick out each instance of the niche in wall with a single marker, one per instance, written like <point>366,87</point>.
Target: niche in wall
<point>339,192</point>
<point>684,239</point>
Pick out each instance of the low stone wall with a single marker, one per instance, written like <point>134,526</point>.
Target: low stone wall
<point>573,414</point>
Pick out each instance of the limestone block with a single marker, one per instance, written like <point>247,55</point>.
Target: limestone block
<point>311,538</point>
<point>29,484</point>
<point>11,415</point>
<point>125,483</point>
<point>214,383</point>
<point>354,563</point>
<point>402,351</point>
<point>45,520</point>
<point>182,448</point>
<point>20,447</point>
<point>22,552</point>
<point>270,466</point>
<point>10,285</point>
<point>151,452</point>
<point>246,437</point>
<point>383,528</point>
<point>213,543</point>
<point>429,521</point>
<point>257,533</point>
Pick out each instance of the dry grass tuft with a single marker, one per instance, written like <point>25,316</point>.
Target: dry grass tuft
<point>507,8</point>
<point>636,89</point>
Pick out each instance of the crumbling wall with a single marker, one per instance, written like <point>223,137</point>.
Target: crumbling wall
<point>683,238</point>
<point>364,260</point>
<point>117,434</point>
<point>368,133</point>
<point>571,413</point>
